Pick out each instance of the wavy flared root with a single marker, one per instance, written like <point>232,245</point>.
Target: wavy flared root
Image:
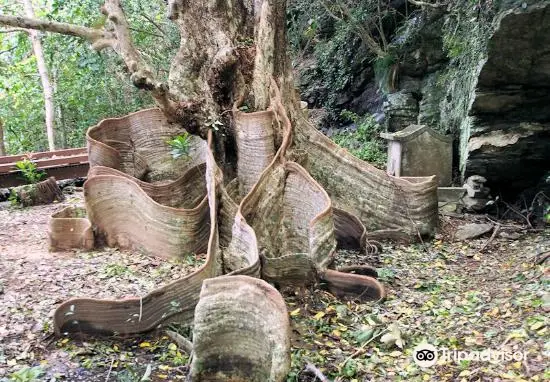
<point>137,145</point>
<point>351,286</point>
<point>174,302</point>
<point>380,201</point>
<point>283,227</point>
<point>255,146</point>
<point>69,229</point>
<point>241,332</point>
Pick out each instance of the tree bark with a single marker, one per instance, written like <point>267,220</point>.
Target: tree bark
<point>44,78</point>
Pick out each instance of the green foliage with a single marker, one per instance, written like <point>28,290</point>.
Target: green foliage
<point>383,71</point>
<point>465,34</point>
<point>180,145</point>
<point>27,374</point>
<point>328,53</point>
<point>174,356</point>
<point>13,198</point>
<point>89,86</point>
<point>29,171</point>
<point>350,368</point>
<point>454,46</point>
<point>115,270</point>
<point>365,142</point>
<point>337,58</point>
<point>386,275</point>
<point>338,46</point>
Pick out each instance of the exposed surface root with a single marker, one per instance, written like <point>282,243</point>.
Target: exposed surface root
<point>273,220</point>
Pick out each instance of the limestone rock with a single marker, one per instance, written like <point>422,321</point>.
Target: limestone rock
<point>471,231</point>
<point>401,110</point>
<point>477,195</point>
<point>509,142</point>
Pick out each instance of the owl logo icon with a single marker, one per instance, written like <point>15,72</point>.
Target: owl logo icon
<point>425,355</point>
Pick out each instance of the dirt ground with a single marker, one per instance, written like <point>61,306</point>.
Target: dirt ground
<point>446,293</point>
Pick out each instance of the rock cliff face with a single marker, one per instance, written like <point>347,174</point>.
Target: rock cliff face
<point>480,72</point>
<point>509,140</point>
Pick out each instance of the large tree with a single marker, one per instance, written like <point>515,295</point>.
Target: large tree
<point>260,190</point>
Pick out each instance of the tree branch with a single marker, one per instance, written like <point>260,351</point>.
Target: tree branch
<point>120,40</point>
<point>154,23</point>
<point>9,50</point>
<point>380,28</point>
<point>141,74</point>
<point>362,32</point>
<point>90,34</point>
<point>182,342</point>
<point>47,89</point>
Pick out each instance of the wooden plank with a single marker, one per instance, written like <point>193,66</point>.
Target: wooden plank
<point>48,162</point>
<point>43,154</point>
<point>15,178</point>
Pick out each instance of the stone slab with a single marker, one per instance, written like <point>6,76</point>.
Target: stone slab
<point>473,230</point>
<point>450,194</point>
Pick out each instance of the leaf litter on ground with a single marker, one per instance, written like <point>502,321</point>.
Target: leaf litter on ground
<point>446,293</point>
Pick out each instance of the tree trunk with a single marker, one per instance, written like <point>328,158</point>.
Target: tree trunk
<point>61,128</point>
<point>44,77</point>
<point>2,146</point>
<point>263,193</point>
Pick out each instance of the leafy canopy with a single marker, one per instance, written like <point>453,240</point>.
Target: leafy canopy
<point>88,86</point>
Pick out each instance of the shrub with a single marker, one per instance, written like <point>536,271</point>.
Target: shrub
<point>365,142</point>
<point>29,171</point>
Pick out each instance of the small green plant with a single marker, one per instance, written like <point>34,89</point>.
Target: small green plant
<point>27,374</point>
<point>115,270</point>
<point>245,108</point>
<point>180,145</point>
<point>13,198</point>
<point>365,142</point>
<point>134,374</point>
<point>245,42</point>
<point>174,356</point>
<point>30,171</point>
<point>386,274</point>
<point>182,329</point>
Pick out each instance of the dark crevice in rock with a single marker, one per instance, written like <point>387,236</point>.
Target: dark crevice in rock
<point>509,142</point>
